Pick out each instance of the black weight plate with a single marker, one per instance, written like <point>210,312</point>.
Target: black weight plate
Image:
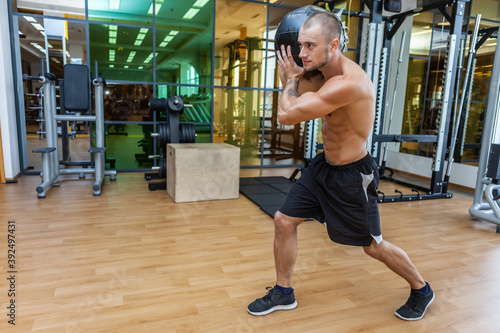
<point>163,134</point>
<point>175,104</point>
<point>187,133</point>
<point>163,168</point>
<point>192,136</point>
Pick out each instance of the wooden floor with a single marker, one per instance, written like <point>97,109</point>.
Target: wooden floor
<point>133,261</point>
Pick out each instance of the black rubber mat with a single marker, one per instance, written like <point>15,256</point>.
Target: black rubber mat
<point>269,193</point>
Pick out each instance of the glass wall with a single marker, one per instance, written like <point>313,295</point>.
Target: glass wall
<point>143,49</point>
<point>245,106</point>
<point>224,65</point>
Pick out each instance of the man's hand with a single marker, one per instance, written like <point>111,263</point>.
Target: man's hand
<point>289,70</point>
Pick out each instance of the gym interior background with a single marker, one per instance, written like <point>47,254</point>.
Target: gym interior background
<point>219,56</point>
<point>132,260</point>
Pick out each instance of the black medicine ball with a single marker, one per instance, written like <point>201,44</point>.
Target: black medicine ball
<point>288,29</point>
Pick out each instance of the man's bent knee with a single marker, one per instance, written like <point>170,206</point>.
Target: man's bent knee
<point>374,250</point>
<point>285,222</point>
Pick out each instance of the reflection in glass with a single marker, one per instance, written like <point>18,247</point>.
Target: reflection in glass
<point>184,35</point>
<point>199,97</point>
<point>184,57</point>
<point>122,52</point>
<point>237,121</point>
<point>239,51</point>
<point>473,133</point>
<point>126,102</point>
<point>414,102</point>
<point>130,151</point>
<point>122,11</point>
<point>282,144</point>
<point>421,34</point>
<point>276,14</point>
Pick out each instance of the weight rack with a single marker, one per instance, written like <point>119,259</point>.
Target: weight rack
<point>169,132</point>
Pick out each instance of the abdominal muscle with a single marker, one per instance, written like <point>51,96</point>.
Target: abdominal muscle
<point>342,143</point>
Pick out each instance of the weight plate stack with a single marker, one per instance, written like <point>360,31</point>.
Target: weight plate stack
<point>187,133</point>
<point>163,134</point>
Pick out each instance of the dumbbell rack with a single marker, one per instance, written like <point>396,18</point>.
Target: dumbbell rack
<point>169,132</point>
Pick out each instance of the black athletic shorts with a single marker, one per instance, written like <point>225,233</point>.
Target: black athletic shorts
<point>342,196</point>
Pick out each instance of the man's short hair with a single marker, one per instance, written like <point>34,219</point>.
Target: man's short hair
<point>330,25</point>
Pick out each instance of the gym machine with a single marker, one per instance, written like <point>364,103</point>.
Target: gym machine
<point>482,37</point>
<point>242,104</point>
<point>488,175</point>
<point>77,99</point>
<point>169,132</point>
<point>469,75</point>
<point>376,57</point>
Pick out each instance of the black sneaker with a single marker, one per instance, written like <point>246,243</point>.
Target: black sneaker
<point>415,306</point>
<point>271,302</point>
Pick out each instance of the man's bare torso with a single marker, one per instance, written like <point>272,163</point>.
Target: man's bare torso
<point>345,130</point>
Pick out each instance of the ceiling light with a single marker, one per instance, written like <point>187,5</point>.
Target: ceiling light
<point>126,66</point>
<point>113,32</point>
<point>141,67</point>
<point>111,66</point>
<point>114,4</point>
<point>41,49</point>
<point>157,7</point>
<point>111,55</point>
<point>131,56</point>
<point>140,36</point>
<point>29,19</point>
<point>190,13</point>
<point>148,59</point>
<point>200,3</point>
<point>38,26</point>
<point>169,37</point>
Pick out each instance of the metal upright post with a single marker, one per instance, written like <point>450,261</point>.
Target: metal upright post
<point>51,124</point>
<point>457,16</point>
<point>400,60</point>
<point>489,121</point>
<point>472,53</point>
<point>310,149</point>
<point>372,66</point>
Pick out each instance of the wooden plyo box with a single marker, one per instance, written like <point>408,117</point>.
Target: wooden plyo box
<point>202,171</point>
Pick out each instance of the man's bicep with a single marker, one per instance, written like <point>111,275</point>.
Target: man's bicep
<point>336,94</point>
<point>312,105</point>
